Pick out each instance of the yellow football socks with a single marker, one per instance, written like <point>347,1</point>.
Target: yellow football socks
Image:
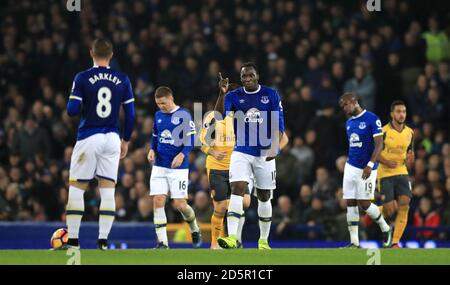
<point>217,227</point>
<point>381,210</point>
<point>400,223</point>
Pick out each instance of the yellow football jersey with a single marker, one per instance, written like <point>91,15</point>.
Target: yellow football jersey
<point>395,147</point>
<point>220,137</point>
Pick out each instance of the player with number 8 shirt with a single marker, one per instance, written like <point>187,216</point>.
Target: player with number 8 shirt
<point>98,93</point>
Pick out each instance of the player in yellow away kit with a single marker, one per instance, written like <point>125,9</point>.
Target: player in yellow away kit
<point>393,178</point>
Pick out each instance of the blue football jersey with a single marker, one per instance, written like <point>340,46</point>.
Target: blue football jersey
<point>360,133</point>
<point>173,133</point>
<point>257,115</point>
<point>101,91</point>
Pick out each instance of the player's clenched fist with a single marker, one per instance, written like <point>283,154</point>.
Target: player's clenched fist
<point>223,84</point>
<point>151,156</point>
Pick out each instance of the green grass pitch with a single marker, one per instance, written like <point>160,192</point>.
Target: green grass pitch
<point>228,257</point>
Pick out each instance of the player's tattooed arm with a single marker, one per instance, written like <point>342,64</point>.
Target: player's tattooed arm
<point>378,141</point>
<point>223,89</point>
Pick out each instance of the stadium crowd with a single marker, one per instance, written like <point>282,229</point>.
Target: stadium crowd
<point>311,51</point>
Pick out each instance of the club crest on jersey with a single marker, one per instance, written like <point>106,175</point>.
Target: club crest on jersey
<point>264,99</point>
<point>175,120</point>
<point>166,137</point>
<point>253,116</point>
<point>159,121</point>
<point>354,140</point>
<point>362,125</point>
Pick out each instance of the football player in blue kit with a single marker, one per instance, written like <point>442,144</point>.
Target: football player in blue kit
<point>258,126</point>
<point>365,137</point>
<point>98,93</point>
<point>172,139</point>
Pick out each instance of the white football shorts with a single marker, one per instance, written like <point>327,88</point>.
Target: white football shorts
<point>354,187</point>
<point>97,155</point>
<point>244,166</point>
<point>170,182</point>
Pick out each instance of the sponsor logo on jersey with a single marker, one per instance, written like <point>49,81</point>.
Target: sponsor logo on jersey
<point>253,116</point>
<point>362,125</point>
<point>166,137</point>
<point>354,140</point>
<point>264,99</point>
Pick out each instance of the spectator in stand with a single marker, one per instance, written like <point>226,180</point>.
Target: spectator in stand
<point>305,157</point>
<point>145,210</point>
<point>363,85</point>
<point>425,216</point>
<point>287,164</point>
<point>32,140</point>
<point>324,187</point>
<point>437,42</point>
<point>433,110</point>
<point>203,207</point>
<point>284,216</point>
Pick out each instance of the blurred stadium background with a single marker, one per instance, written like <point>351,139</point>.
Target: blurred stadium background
<point>311,51</point>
